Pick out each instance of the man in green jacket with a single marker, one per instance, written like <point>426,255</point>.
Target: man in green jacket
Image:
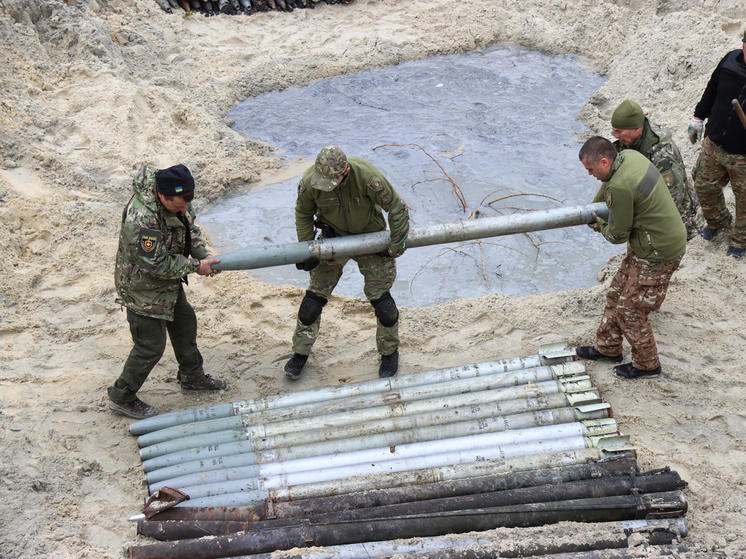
<point>344,196</point>
<point>159,245</point>
<point>634,131</point>
<point>642,214</point>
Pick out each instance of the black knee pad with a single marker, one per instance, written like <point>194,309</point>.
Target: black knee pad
<point>310,308</point>
<point>386,310</point>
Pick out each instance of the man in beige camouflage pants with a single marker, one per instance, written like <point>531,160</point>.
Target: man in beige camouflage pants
<point>722,158</point>
<point>642,214</point>
<point>344,196</point>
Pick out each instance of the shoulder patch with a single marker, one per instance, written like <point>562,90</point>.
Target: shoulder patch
<point>375,184</point>
<point>609,199</point>
<point>148,241</point>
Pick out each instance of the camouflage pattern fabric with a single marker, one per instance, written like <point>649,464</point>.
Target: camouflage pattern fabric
<point>638,288</point>
<point>655,143</point>
<point>354,206</point>
<point>379,273</point>
<point>716,167</point>
<point>149,343</point>
<point>150,260</point>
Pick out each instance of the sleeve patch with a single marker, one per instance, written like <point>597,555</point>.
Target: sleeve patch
<point>148,241</point>
<point>376,185</point>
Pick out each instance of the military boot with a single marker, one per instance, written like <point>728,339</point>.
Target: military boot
<point>294,366</point>
<point>205,383</point>
<point>736,252</point>
<point>708,234</point>
<point>136,409</point>
<point>590,352</point>
<point>629,371</point>
<point>389,365</point>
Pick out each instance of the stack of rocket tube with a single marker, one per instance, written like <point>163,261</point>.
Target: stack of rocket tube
<point>399,438</point>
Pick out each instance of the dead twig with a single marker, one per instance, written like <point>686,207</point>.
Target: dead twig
<point>519,194</point>
<point>456,188</point>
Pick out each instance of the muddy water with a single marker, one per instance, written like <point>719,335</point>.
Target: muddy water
<point>501,123</point>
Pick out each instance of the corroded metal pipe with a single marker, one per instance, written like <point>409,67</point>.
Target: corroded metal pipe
<point>586,489</point>
<point>415,492</point>
<point>607,540</point>
<point>307,533</point>
<point>439,233</point>
<point>549,354</point>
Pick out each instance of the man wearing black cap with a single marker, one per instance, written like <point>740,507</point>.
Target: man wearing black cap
<point>722,158</point>
<point>159,245</point>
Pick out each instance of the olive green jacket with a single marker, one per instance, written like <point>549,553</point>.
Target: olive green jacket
<point>150,260</point>
<point>655,143</point>
<point>354,206</point>
<point>641,210</point>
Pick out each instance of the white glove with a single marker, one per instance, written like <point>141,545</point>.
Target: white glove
<point>695,130</point>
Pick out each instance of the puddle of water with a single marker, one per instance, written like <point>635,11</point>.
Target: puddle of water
<point>501,122</point>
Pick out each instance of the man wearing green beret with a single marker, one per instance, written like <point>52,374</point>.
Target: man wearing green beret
<point>342,196</point>
<point>633,130</point>
<point>642,215</point>
<point>722,158</point>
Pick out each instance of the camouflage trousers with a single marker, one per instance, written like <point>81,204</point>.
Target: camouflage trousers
<point>379,273</point>
<point>638,288</point>
<point>149,339</point>
<point>716,167</point>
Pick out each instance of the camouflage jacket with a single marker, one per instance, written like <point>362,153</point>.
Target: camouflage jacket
<point>150,260</point>
<point>354,206</point>
<point>655,143</point>
<point>641,210</point>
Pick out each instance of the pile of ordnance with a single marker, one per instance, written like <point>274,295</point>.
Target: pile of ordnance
<point>451,457</point>
<point>231,7</point>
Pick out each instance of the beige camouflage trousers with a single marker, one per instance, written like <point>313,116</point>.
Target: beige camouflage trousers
<point>716,167</point>
<point>638,288</point>
<point>379,273</point>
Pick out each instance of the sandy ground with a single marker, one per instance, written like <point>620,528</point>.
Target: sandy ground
<point>92,89</point>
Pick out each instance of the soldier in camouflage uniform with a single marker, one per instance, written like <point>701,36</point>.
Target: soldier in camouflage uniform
<point>642,214</point>
<point>723,154</point>
<point>159,245</point>
<point>344,196</point>
<point>634,131</point>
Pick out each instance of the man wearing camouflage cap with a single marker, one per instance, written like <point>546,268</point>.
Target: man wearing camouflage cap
<point>159,245</point>
<point>633,130</point>
<point>723,154</point>
<point>344,196</point>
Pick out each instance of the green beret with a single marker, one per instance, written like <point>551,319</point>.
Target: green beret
<point>627,115</point>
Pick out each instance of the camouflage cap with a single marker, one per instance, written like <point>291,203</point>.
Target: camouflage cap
<point>627,116</point>
<point>330,165</point>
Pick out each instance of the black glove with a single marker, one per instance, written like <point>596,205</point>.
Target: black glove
<point>308,264</point>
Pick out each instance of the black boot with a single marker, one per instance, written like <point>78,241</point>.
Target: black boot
<point>590,352</point>
<point>389,365</point>
<point>294,366</point>
<point>708,233</point>
<point>629,371</point>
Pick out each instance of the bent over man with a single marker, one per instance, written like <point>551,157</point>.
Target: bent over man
<point>344,196</point>
<point>642,214</point>
<point>633,130</point>
<point>159,245</point>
